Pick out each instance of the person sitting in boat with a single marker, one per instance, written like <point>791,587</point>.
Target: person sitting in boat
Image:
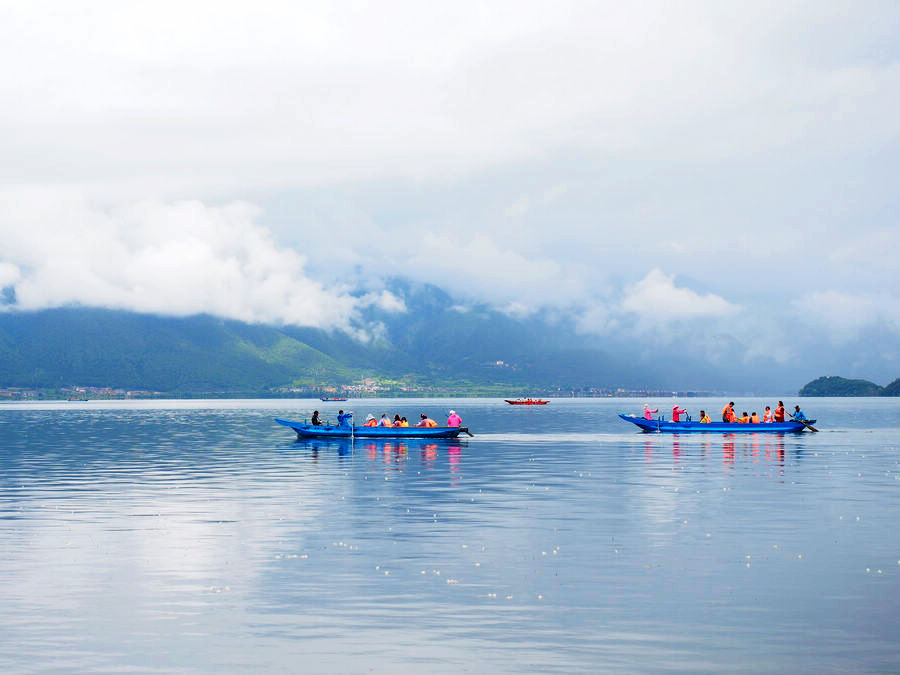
<point>744,418</point>
<point>426,421</point>
<point>704,418</point>
<point>315,419</point>
<point>767,416</point>
<point>754,418</point>
<point>454,420</point>
<point>677,413</point>
<point>648,414</point>
<point>385,421</point>
<point>798,415</point>
<point>370,421</point>
<point>404,422</point>
<point>397,421</point>
<point>728,414</point>
<point>779,412</point>
<point>344,418</point>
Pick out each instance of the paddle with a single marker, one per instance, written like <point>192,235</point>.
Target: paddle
<point>804,423</point>
<point>466,429</point>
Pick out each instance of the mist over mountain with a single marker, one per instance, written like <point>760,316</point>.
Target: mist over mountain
<point>436,340</point>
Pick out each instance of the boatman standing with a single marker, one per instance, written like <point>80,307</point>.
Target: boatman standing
<point>344,418</point>
<point>728,414</point>
<point>454,420</point>
<point>677,413</point>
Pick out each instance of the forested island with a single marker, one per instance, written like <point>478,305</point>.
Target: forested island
<point>832,385</point>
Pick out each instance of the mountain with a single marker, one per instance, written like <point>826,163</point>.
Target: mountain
<point>831,385</point>
<point>437,342</point>
<point>893,389</point>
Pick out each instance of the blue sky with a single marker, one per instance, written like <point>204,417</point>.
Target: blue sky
<point>718,176</point>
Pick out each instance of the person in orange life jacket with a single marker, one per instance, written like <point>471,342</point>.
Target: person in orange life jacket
<point>704,418</point>
<point>385,421</point>
<point>648,414</point>
<point>370,421</point>
<point>403,422</point>
<point>426,421</point>
<point>767,416</point>
<point>754,418</point>
<point>728,414</point>
<point>677,413</point>
<point>745,419</point>
<point>779,412</point>
<point>397,421</point>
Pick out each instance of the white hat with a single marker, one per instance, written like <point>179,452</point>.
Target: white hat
<point>370,416</point>
<point>452,412</point>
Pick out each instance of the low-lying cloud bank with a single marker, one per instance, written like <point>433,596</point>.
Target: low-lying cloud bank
<point>176,259</point>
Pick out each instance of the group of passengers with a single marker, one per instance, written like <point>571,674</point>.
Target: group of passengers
<point>730,416</point>
<point>453,420</point>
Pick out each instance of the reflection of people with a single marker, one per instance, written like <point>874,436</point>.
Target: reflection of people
<point>677,413</point>
<point>315,419</point>
<point>704,418</point>
<point>798,414</point>
<point>344,419</point>
<point>779,412</point>
<point>648,414</point>
<point>454,420</point>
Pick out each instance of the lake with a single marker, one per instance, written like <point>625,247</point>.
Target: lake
<point>199,536</point>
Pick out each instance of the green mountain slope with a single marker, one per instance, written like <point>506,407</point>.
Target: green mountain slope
<point>831,385</point>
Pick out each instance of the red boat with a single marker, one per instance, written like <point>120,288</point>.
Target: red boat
<point>336,398</point>
<point>527,401</point>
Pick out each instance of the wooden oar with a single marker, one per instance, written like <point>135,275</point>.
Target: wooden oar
<point>804,423</point>
<point>466,429</point>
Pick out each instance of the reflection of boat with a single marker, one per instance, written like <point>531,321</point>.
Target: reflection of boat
<point>321,431</point>
<point>527,401</point>
<point>334,398</point>
<point>729,427</point>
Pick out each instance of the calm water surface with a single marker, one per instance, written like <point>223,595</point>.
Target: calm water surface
<point>200,536</point>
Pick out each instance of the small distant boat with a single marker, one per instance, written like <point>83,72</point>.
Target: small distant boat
<point>334,398</point>
<point>527,401</point>
<point>728,427</point>
<point>321,431</point>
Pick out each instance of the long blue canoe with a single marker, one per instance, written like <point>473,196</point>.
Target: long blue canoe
<point>729,427</point>
<point>321,431</point>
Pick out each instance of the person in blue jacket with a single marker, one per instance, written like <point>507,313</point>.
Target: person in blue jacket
<point>798,414</point>
<point>344,418</point>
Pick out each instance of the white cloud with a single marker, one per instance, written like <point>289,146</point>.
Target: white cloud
<point>656,298</point>
<point>845,315</point>
<point>171,258</point>
<point>9,274</point>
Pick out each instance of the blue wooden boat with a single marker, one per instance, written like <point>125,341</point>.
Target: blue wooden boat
<point>321,431</point>
<point>728,427</point>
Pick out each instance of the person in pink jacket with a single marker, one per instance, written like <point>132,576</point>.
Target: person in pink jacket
<point>677,413</point>
<point>648,414</point>
<point>454,420</point>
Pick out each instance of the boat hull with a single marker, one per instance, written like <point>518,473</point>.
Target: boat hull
<point>717,427</point>
<point>527,402</point>
<point>311,431</point>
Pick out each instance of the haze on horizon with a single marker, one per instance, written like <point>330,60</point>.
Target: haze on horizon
<point>699,177</point>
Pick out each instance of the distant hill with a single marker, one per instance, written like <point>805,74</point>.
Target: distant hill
<point>893,389</point>
<point>832,385</point>
<point>439,342</point>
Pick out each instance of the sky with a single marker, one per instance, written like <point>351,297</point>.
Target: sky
<point>715,177</point>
